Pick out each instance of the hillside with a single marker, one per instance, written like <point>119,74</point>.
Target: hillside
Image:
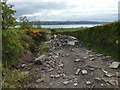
<point>102,38</point>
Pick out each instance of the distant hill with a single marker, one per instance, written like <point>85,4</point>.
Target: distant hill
<point>66,22</point>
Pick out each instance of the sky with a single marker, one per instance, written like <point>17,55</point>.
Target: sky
<point>67,10</point>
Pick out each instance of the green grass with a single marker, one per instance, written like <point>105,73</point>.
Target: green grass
<point>44,48</point>
<point>13,78</point>
<point>103,38</point>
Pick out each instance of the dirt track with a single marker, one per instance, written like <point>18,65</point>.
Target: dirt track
<point>74,67</point>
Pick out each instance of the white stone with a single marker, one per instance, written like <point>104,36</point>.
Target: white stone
<point>84,72</point>
<point>65,82</point>
<point>77,71</point>
<point>91,59</point>
<point>85,57</point>
<point>71,43</point>
<point>61,65</point>
<point>88,82</point>
<point>114,65</point>
<point>77,60</point>
<point>52,76</point>
<point>97,79</point>
<point>40,80</point>
<point>75,84</point>
<point>91,56</point>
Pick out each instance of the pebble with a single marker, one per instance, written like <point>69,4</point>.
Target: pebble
<point>99,55</point>
<point>91,59</point>
<point>85,57</point>
<point>102,85</point>
<point>51,69</point>
<point>117,74</point>
<point>91,69</point>
<point>97,79</point>
<point>52,76</point>
<point>77,71</point>
<point>65,82</point>
<point>77,60</point>
<point>84,72</point>
<point>75,84</point>
<point>23,65</point>
<point>61,65</point>
<point>91,56</point>
<point>67,55</point>
<point>57,76</point>
<point>72,50</point>
<point>109,74</point>
<point>40,80</point>
<point>88,83</point>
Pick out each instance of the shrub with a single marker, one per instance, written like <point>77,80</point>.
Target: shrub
<point>36,34</point>
<point>11,46</point>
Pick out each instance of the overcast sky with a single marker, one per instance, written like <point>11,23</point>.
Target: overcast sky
<point>67,10</point>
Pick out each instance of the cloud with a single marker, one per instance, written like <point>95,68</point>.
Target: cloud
<point>67,9</point>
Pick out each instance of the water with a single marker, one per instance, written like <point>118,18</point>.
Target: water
<point>69,26</point>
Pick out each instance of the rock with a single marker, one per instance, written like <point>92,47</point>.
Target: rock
<point>52,76</point>
<point>85,57</point>
<point>88,83</point>
<point>51,69</point>
<point>56,56</point>
<point>72,43</point>
<point>77,71</point>
<point>40,60</point>
<point>117,74</point>
<point>108,57</point>
<point>109,74</point>
<point>61,65</point>
<point>87,53</point>
<point>74,38</point>
<point>91,69</point>
<point>65,82</point>
<point>91,56</point>
<point>23,65</point>
<point>113,82</point>
<point>99,55</point>
<point>102,85</point>
<point>50,54</point>
<point>75,84</point>
<point>77,60</point>
<point>67,55</point>
<point>84,72</point>
<point>91,59</point>
<point>72,50</point>
<point>114,65</point>
<point>57,76</point>
<point>40,80</point>
<point>97,79</point>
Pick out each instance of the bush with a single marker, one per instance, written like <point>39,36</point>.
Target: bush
<point>11,46</point>
<point>44,48</point>
<point>37,35</point>
<point>102,37</point>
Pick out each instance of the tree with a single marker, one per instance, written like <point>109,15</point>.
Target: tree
<point>7,15</point>
<point>24,23</point>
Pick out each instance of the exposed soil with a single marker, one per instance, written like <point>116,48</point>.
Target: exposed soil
<point>73,66</point>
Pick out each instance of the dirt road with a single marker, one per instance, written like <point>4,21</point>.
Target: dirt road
<point>74,67</point>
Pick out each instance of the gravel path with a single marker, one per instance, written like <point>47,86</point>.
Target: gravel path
<point>73,66</point>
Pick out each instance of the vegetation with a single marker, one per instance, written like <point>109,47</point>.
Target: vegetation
<point>24,23</point>
<point>101,38</point>
<point>15,42</point>
<point>14,78</point>
<point>7,15</point>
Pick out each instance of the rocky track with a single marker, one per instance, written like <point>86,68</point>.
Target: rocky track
<point>70,65</point>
